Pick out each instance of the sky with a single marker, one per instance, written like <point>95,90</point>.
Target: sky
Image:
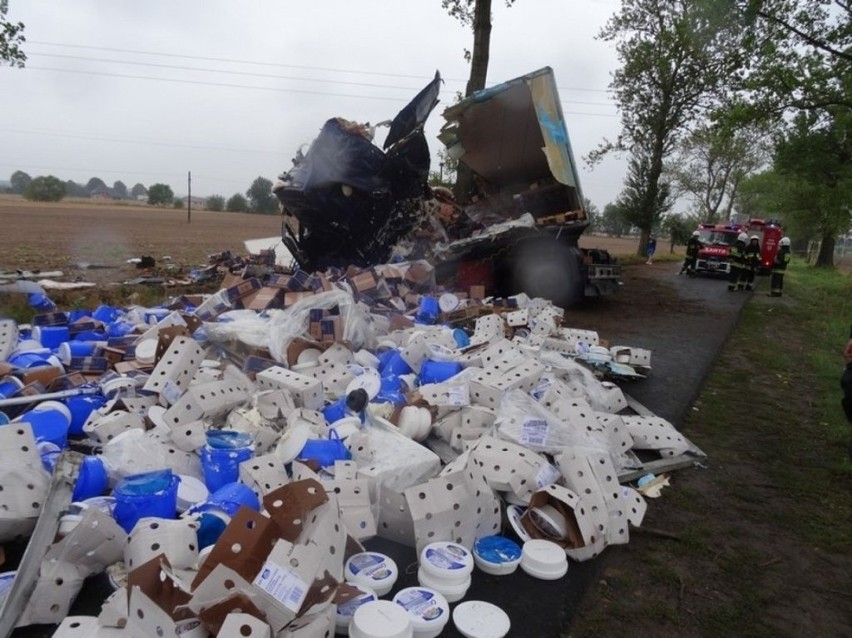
<point>151,91</point>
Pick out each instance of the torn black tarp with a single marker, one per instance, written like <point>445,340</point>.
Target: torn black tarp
<point>349,202</point>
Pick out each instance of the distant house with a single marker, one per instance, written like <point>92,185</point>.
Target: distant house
<point>103,192</point>
<point>197,202</point>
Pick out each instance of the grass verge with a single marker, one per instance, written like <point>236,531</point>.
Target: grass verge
<point>757,543</point>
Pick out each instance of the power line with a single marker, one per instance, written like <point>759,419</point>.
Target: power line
<point>273,64</point>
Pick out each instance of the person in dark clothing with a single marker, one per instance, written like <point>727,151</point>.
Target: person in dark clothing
<point>779,266</point>
<point>651,248</point>
<point>752,261</point>
<point>693,245</point>
<point>736,259</point>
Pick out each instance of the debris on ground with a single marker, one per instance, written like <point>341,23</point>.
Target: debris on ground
<point>243,449</point>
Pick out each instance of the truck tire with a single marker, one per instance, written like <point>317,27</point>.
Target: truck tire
<point>549,268</point>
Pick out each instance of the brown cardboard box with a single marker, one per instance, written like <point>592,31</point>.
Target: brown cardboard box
<point>292,297</point>
<point>477,292</point>
<point>267,297</point>
<point>331,329</point>
<point>240,290</point>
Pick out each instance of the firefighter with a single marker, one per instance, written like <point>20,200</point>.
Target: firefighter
<point>752,261</point>
<point>693,245</point>
<point>736,259</point>
<point>782,258</point>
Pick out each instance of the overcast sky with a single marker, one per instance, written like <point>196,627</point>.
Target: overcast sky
<point>147,91</point>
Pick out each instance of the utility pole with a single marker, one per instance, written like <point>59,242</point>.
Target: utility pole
<point>189,197</point>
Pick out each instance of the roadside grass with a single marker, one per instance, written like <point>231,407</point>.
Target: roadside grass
<point>776,486</point>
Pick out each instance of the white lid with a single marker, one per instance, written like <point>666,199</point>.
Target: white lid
<point>291,442</point>
<point>64,352</point>
<point>377,571</point>
<point>346,610</point>
<point>427,608</point>
<point>191,491</point>
<point>367,359</point>
<point>369,380</point>
<point>381,619</point>
<point>54,405</point>
<point>301,367</point>
<point>447,561</point>
<point>544,559</point>
<point>514,513</point>
<point>157,416</point>
<point>478,619</point>
<point>448,302</point>
<point>453,591</point>
<point>346,426</point>
<point>550,521</point>
<point>146,351</point>
<point>309,355</point>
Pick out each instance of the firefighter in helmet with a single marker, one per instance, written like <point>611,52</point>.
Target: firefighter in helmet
<point>782,258</point>
<point>736,258</point>
<point>693,245</point>
<point>752,261</point>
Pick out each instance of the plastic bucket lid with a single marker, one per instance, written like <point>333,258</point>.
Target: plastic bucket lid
<point>453,591</point>
<point>230,497</point>
<point>478,619</point>
<point>9,386</point>
<point>49,424</point>
<point>513,514</point>
<point>438,371</point>
<point>381,619</point>
<point>447,561</point>
<point>544,559</point>
<point>428,609</point>
<point>92,480</point>
<point>496,555</point>
<point>190,492</point>
<point>81,407</point>
<point>372,569</point>
<point>346,610</point>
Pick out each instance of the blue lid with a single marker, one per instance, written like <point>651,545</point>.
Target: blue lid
<point>497,549</point>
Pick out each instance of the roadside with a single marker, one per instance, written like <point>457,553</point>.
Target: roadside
<point>757,542</point>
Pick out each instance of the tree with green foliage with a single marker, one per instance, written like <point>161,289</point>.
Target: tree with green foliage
<point>216,203</point>
<point>138,191</point>
<point>94,184</point>
<point>674,57</point>
<point>73,189</point>
<point>477,15</point>
<point>45,189</point>
<point>612,221</point>
<point>178,204</point>
<point>260,197</point>
<point>119,190</point>
<point>679,228</point>
<point>19,182</point>
<point>11,38</point>
<point>237,203</point>
<point>160,195</point>
<point>712,162</point>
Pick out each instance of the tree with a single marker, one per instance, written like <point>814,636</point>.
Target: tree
<point>477,15</point>
<point>19,181</point>
<point>260,196</point>
<point>178,204</point>
<point>237,204</point>
<point>674,56</point>
<point>711,163</point>
<point>592,213</point>
<point>216,203</point>
<point>73,189</point>
<point>139,191</point>
<point>45,189</point>
<point>11,37</point>
<point>160,195</point>
<point>678,228</point>
<point>612,221</point>
<point>119,190</point>
<point>94,184</point>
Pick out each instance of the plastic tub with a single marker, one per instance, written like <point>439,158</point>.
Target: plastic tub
<point>10,386</point>
<point>345,611</point>
<point>513,514</point>
<point>49,423</point>
<point>143,495</point>
<point>371,569</point>
<point>549,521</point>
<point>381,619</point>
<point>6,581</point>
<point>447,561</point>
<point>92,480</point>
<point>478,619</point>
<point>191,491</point>
<point>75,348</point>
<point>544,559</point>
<point>81,407</point>
<point>453,591</point>
<point>496,555</point>
<point>439,371</point>
<point>428,610</point>
<point>222,455</point>
<point>51,336</point>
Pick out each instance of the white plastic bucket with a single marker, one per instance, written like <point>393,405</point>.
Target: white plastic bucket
<point>428,610</point>
<point>381,619</point>
<point>447,561</point>
<point>478,619</point>
<point>373,570</point>
<point>451,590</point>
<point>544,559</point>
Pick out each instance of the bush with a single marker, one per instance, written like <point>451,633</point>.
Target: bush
<point>216,203</point>
<point>45,189</point>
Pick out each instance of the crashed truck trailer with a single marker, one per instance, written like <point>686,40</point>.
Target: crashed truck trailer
<point>348,202</point>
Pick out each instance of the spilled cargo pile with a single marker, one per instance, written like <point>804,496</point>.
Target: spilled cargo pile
<point>231,460</point>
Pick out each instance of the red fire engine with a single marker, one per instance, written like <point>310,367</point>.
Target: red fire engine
<point>717,239</point>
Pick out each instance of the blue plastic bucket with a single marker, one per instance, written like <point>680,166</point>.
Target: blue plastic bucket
<point>222,455</point>
<point>428,311</point>
<point>49,454</point>
<point>30,359</point>
<point>106,314</point>
<point>438,371</point>
<point>75,348</point>
<point>461,338</point>
<point>395,366</point>
<point>119,328</point>
<point>335,411</point>
<point>9,386</point>
<point>81,407</point>
<point>49,423</point>
<point>92,480</point>
<point>52,336</point>
<point>147,494</point>
<point>325,451</point>
<point>229,498</point>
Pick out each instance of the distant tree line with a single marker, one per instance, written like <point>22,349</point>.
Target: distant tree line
<point>257,199</point>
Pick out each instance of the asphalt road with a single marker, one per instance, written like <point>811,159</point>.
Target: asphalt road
<point>685,323</point>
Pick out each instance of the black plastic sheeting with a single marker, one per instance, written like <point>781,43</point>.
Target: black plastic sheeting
<point>354,201</point>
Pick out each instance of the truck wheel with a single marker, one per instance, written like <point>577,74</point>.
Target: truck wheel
<point>548,268</point>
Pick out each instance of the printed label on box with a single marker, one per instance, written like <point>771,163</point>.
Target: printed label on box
<point>458,395</point>
<point>534,431</point>
<point>283,584</point>
<point>547,475</point>
<point>170,392</point>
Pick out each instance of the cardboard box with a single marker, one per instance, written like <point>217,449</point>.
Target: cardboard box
<point>279,281</point>
<point>331,329</point>
<point>243,288</point>
<point>264,298</point>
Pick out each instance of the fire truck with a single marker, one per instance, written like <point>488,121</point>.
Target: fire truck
<point>717,239</point>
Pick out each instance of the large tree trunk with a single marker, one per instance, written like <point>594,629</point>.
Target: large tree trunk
<point>825,259</point>
<point>465,186</point>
